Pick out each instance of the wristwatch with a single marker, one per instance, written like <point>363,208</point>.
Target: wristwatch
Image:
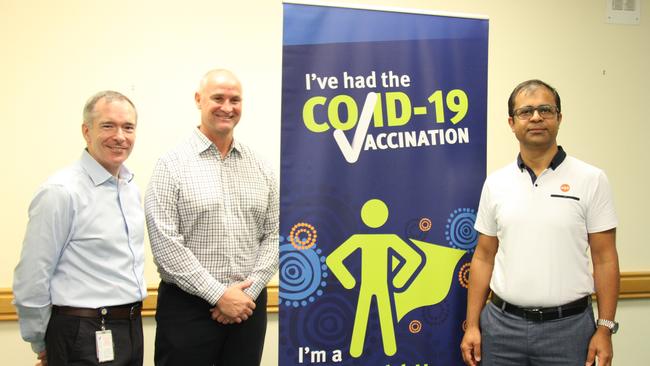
<point>609,324</point>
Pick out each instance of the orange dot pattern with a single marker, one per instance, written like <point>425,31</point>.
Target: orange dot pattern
<point>303,236</point>
<point>425,224</point>
<point>415,326</point>
<point>463,275</point>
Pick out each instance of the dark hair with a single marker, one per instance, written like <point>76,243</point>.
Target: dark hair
<point>529,85</point>
<point>109,96</point>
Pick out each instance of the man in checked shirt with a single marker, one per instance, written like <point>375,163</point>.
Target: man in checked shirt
<point>212,215</point>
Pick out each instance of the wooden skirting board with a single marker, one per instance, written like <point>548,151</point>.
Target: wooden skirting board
<point>634,285</point>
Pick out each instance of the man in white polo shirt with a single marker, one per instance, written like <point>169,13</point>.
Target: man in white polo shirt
<point>538,219</point>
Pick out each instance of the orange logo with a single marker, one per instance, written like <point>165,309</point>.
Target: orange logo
<point>565,188</point>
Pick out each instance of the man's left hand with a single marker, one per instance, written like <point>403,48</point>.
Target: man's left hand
<point>600,347</point>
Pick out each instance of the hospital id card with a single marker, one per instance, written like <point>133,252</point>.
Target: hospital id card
<point>104,343</point>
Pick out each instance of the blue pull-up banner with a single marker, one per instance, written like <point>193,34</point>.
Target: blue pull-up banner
<point>383,159</point>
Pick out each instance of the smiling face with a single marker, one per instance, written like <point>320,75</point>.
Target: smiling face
<point>220,100</point>
<point>536,132</point>
<point>111,135</point>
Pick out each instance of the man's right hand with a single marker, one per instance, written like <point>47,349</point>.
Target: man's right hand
<point>42,359</point>
<point>235,304</point>
<point>470,346</point>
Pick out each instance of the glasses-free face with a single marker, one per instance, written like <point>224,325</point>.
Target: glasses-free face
<point>544,111</point>
<point>111,136</point>
<point>220,100</point>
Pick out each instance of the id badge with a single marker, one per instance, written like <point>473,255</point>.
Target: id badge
<point>104,343</point>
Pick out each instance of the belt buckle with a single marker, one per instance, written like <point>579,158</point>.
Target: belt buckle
<point>534,314</point>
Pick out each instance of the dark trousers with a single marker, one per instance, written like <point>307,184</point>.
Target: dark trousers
<point>70,341</point>
<point>187,335</point>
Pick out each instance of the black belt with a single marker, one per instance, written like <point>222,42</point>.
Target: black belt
<point>129,311</point>
<point>543,314</point>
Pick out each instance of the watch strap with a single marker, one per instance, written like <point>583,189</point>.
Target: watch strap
<point>609,324</point>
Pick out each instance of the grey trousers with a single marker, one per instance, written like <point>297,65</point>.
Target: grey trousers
<point>508,340</point>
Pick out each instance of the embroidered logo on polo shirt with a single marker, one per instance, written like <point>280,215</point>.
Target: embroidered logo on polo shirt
<point>565,188</point>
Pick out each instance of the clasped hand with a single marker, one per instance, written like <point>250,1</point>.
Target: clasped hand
<point>234,306</point>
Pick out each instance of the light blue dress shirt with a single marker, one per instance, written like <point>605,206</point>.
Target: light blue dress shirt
<point>83,246</point>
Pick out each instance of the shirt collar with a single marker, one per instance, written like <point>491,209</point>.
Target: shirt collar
<point>202,143</point>
<point>559,157</point>
<point>98,173</point>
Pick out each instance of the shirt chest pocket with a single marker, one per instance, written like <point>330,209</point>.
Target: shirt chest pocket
<point>565,210</point>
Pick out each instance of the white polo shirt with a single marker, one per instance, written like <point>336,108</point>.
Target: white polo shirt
<point>542,228</point>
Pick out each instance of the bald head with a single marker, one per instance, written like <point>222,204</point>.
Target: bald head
<point>219,98</point>
<point>218,76</point>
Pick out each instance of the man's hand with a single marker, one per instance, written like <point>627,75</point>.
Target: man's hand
<point>470,346</point>
<point>218,316</point>
<point>600,347</point>
<point>42,359</point>
<point>234,306</point>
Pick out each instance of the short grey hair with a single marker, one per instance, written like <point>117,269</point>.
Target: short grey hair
<point>109,96</point>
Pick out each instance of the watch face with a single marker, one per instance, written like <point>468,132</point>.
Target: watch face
<point>614,329</point>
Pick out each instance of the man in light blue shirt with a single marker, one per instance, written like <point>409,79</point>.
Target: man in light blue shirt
<point>79,284</point>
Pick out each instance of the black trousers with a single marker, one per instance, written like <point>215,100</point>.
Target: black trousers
<point>70,341</point>
<point>187,335</point>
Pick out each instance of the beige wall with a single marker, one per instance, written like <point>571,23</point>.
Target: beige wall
<point>55,54</point>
